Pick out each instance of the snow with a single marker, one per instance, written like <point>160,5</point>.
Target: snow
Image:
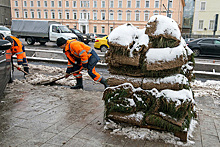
<point>178,78</point>
<point>123,34</point>
<point>165,25</point>
<point>180,96</point>
<point>126,34</point>
<point>165,54</point>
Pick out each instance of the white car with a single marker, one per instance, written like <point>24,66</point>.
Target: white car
<point>5,31</point>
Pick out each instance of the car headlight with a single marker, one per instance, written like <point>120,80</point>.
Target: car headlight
<point>84,36</point>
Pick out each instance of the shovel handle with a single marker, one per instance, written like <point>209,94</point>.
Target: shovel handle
<point>21,69</point>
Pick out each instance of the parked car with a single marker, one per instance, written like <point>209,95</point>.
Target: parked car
<point>205,46</point>
<point>92,36</point>
<point>189,39</point>
<point>100,35</point>
<point>5,64</point>
<point>81,37</point>
<point>5,31</point>
<point>101,44</point>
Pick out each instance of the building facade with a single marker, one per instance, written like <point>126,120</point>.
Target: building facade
<point>5,11</point>
<point>97,16</point>
<point>204,17</point>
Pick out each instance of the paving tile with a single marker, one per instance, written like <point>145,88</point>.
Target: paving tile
<point>59,139</point>
<point>208,128</point>
<point>116,140</point>
<point>210,141</point>
<point>136,143</point>
<point>75,142</point>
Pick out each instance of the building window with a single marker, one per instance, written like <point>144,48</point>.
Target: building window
<point>46,14</point>
<point>32,14</point>
<point>119,16</point>
<point>102,4</point>
<point>203,6</point>
<point>119,4</point>
<point>137,3</point>
<point>74,4</point>
<point>74,15</point>
<point>156,4</point>
<point>111,4</point>
<point>38,3</point>
<point>137,16</point>
<point>211,24</point>
<point>45,3</point>
<point>38,14</point>
<point>128,16</point>
<point>146,16</point>
<point>67,4</point>
<point>52,3</point>
<point>84,4</point>
<point>111,17</point>
<point>103,29</point>
<point>16,3</point>
<point>147,4</point>
<point>25,3</point>
<point>128,4</point>
<point>52,15</point>
<point>94,4</point>
<point>170,3</point>
<point>94,15</point>
<point>67,15</point>
<point>95,29</point>
<point>32,4</point>
<point>25,14</point>
<point>103,16</point>
<point>200,24</point>
<point>156,13</point>
<point>59,15</point>
<point>59,4</point>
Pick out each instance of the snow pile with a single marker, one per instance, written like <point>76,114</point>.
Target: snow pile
<point>123,35</point>
<point>47,74</point>
<point>164,25</point>
<point>165,54</point>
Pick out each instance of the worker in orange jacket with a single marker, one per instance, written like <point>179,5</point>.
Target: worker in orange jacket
<point>80,56</point>
<point>18,48</point>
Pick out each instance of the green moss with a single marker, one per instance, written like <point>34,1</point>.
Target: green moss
<point>159,122</point>
<point>170,108</point>
<point>162,42</point>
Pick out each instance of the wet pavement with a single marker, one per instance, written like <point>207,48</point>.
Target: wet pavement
<point>54,116</point>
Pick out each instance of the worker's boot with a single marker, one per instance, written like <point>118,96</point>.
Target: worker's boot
<point>104,82</point>
<point>26,69</point>
<point>79,84</point>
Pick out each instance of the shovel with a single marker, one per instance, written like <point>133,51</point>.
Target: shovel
<point>21,69</point>
<point>51,82</point>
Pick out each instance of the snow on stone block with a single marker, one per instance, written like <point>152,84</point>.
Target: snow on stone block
<point>174,82</point>
<point>160,25</point>
<point>167,110</point>
<point>115,80</point>
<point>165,58</point>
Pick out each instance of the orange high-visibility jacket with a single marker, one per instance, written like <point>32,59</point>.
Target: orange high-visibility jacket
<point>17,49</point>
<point>77,51</point>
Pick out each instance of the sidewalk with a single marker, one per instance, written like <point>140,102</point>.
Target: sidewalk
<point>54,116</point>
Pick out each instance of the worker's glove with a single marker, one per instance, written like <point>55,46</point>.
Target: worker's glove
<point>67,75</point>
<point>19,67</point>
